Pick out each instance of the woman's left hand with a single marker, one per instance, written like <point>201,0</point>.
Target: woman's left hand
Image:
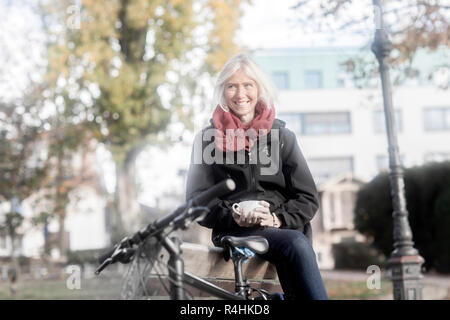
<point>266,219</point>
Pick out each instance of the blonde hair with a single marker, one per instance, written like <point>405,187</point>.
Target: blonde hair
<point>243,61</point>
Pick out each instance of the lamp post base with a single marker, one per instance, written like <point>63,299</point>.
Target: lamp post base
<point>406,274</point>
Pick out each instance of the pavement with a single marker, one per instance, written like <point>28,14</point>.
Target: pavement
<point>435,286</point>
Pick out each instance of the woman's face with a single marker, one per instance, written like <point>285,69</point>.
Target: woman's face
<point>241,95</point>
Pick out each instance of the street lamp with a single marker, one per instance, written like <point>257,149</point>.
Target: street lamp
<point>405,261</point>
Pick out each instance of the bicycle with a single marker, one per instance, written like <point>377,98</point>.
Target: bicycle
<point>143,250</point>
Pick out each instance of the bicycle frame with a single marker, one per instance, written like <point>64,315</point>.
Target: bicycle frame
<point>178,275</point>
<point>207,286</point>
<point>181,218</point>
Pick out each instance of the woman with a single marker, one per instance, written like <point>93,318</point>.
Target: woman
<point>246,143</point>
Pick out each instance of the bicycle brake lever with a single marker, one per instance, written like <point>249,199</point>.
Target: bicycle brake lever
<point>199,213</point>
<point>193,214</point>
<point>126,255</point>
<point>103,266</point>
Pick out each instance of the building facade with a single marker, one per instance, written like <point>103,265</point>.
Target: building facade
<point>85,225</point>
<point>340,126</point>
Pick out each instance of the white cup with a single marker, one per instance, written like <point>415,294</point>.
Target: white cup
<point>247,206</point>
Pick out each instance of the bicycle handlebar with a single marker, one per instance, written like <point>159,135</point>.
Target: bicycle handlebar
<point>178,216</point>
<point>201,199</point>
<point>123,244</point>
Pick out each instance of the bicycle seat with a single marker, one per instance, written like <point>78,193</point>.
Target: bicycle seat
<point>257,244</point>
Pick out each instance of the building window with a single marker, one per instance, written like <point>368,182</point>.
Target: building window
<point>338,211</point>
<point>323,169</point>
<point>383,162</point>
<point>326,123</point>
<point>293,121</point>
<point>317,123</point>
<point>344,79</point>
<point>348,199</point>
<point>437,119</point>
<point>379,122</point>
<point>281,80</point>
<point>350,239</point>
<point>2,242</point>
<point>313,79</point>
<point>333,210</point>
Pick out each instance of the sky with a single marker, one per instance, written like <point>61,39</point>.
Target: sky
<point>18,57</point>
<point>271,24</point>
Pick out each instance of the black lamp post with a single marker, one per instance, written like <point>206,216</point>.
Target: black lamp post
<point>405,261</point>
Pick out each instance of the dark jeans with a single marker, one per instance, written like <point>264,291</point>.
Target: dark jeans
<point>292,254</point>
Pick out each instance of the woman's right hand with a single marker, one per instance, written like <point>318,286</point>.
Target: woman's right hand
<point>247,220</point>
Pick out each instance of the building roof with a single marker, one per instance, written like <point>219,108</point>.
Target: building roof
<point>340,179</point>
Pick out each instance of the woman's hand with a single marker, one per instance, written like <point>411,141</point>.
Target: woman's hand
<point>267,219</point>
<point>258,216</point>
<point>247,219</point>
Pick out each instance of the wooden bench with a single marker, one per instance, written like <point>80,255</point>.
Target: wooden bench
<point>207,262</point>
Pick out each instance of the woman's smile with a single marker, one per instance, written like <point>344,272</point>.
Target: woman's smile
<point>241,94</point>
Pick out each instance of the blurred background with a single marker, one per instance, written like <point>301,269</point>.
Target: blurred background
<point>100,102</point>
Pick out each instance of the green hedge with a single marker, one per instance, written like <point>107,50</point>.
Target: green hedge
<point>427,190</point>
<point>356,255</point>
<point>85,256</point>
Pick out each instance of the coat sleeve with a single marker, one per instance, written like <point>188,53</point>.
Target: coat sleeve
<point>301,193</point>
<point>201,177</point>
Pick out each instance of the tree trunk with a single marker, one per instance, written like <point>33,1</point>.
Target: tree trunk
<point>126,194</point>
<point>14,269</point>
<point>46,239</point>
<point>62,236</point>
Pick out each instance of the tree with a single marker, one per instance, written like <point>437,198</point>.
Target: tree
<point>60,135</point>
<point>113,60</point>
<point>427,197</point>
<point>23,165</point>
<point>412,26</point>
<point>110,67</point>
<point>66,140</point>
<point>225,21</point>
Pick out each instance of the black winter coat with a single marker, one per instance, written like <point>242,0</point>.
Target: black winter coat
<point>274,170</point>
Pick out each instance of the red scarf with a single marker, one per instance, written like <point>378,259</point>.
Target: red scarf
<point>232,135</point>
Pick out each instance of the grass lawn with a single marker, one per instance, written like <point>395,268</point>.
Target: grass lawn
<point>92,289</point>
<point>346,290</point>
<point>109,288</point>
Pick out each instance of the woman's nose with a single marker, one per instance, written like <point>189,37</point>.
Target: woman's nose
<point>240,92</point>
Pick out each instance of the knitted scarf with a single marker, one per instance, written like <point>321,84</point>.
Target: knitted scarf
<point>232,135</point>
